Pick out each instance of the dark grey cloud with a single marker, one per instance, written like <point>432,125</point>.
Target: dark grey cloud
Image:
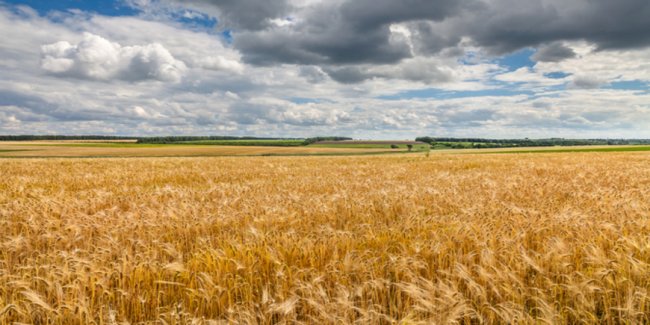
<point>370,14</point>
<point>616,24</point>
<point>350,33</point>
<point>347,75</point>
<point>358,32</point>
<point>243,14</point>
<point>432,38</point>
<point>508,25</point>
<point>553,52</point>
<point>318,44</point>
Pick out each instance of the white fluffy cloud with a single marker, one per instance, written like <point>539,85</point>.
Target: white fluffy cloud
<point>220,63</point>
<point>591,66</point>
<point>98,58</point>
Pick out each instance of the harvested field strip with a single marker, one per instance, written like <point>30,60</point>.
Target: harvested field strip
<point>157,150</point>
<point>582,149</point>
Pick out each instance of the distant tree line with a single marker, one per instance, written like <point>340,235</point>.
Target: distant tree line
<point>172,139</point>
<point>505,143</point>
<point>61,137</point>
<point>309,141</point>
<point>161,139</point>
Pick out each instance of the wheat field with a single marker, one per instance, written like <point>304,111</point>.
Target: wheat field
<point>510,238</point>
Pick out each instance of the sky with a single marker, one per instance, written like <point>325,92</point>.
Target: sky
<point>368,69</point>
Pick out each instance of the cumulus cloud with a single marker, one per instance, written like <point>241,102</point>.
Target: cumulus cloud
<point>595,68</point>
<point>529,78</point>
<point>100,59</point>
<point>277,111</point>
<point>233,14</point>
<point>8,116</point>
<point>348,75</point>
<point>248,14</point>
<point>553,52</point>
<point>220,63</point>
<point>428,71</point>
<point>313,74</point>
<point>587,82</point>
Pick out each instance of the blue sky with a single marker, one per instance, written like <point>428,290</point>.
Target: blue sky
<point>517,60</point>
<point>295,68</point>
<point>108,8</point>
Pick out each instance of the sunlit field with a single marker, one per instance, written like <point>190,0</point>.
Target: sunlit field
<point>491,238</point>
<point>226,148</point>
<point>83,149</point>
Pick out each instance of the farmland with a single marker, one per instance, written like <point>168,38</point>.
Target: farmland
<point>499,238</point>
<point>416,146</point>
<point>579,149</point>
<point>275,143</point>
<point>112,149</point>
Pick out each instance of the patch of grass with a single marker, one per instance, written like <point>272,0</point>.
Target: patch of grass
<point>333,154</point>
<point>568,149</point>
<point>98,145</point>
<point>13,150</point>
<point>271,143</point>
<point>174,150</point>
<point>368,146</point>
<point>352,145</point>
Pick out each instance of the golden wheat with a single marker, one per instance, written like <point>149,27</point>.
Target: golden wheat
<point>531,238</point>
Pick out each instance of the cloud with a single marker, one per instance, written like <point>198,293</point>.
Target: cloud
<point>605,66</point>
<point>220,63</point>
<point>310,67</point>
<point>348,75</point>
<point>553,52</point>
<point>233,14</point>
<point>529,78</point>
<point>348,32</point>
<point>427,71</point>
<point>507,25</point>
<point>97,58</point>
<point>363,31</point>
<point>331,44</point>
<point>275,111</point>
<point>313,74</point>
<point>249,14</point>
<point>587,82</point>
<point>343,37</point>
